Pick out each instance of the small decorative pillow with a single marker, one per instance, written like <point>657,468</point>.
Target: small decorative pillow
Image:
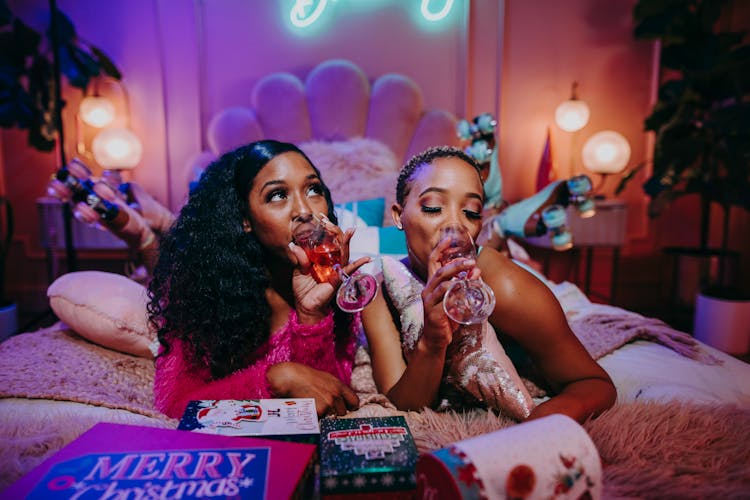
<point>379,240</point>
<point>370,211</point>
<point>105,308</point>
<point>357,169</point>
<point>347,219</point>
<point>477,367</point>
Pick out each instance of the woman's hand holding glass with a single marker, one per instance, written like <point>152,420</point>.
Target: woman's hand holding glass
<point>325,249</point>
<point>467,301</point>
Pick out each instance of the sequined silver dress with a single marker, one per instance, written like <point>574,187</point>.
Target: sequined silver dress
<point>477,367</point>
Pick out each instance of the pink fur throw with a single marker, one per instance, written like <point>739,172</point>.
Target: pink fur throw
<point>648,449</point>
<point>356,169</point>
<point>55,363</point>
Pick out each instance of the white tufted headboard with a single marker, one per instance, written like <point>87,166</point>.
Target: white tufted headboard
<point>356,132</point>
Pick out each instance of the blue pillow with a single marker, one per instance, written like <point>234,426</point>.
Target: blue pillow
<point>373,240</point>
<point>371,211</point>
<point>392,241</point>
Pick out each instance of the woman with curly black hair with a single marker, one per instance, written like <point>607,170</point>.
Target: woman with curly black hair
<point>237,311</point>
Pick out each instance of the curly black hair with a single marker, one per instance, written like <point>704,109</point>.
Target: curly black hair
<point>208,286</point>
<point>403,185</point>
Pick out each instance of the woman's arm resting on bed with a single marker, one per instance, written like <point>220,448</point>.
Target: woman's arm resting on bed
<point>296,380</point>
<point>528,312</point>
<point>176,384</point>
<point>579,400</point>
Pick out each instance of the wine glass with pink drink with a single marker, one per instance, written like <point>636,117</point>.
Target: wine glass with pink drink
<point>467,301</point>
<point>324,251</point>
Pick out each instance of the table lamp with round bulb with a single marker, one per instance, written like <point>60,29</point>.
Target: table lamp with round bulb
<point>117,149</point>
<point>572,115</point>
<point>97,111</point>
<point>606,152</point>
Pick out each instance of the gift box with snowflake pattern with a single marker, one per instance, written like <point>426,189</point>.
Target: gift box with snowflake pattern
<point>372,456</point>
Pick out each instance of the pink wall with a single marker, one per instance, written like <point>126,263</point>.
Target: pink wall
<point>549,45</point>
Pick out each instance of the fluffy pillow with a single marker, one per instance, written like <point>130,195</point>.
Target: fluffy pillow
<point>105,308</point>
<point>356,169</point>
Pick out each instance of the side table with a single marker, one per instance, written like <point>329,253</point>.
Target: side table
<point>606,229</point>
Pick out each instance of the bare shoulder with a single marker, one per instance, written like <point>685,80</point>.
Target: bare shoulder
<point>490,258</point>
<point>498,268</point>
<point>513,285</point>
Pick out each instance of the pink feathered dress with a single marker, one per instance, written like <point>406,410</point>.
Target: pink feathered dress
<point>176,382</point>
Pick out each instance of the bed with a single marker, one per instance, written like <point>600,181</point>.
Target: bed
<point>681,425</point>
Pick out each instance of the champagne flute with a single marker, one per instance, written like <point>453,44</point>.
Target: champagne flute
<point>466,301</point>
<point>324,252</point>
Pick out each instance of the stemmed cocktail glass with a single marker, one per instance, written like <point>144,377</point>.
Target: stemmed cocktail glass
<point>324,251</point>
<point>467,301</point>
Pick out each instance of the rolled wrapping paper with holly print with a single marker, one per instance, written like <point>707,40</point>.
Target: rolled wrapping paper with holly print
<point>549,458</point>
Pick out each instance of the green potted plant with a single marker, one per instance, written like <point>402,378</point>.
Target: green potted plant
<point>701,120</point>
<point>27,73</point>
<point>28,80</point>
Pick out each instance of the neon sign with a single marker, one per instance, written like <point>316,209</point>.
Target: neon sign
<point>305,12</point>
<point>301,17</point>
<point>432,15</point>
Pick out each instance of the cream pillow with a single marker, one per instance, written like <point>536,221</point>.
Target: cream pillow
<point>105,308</point>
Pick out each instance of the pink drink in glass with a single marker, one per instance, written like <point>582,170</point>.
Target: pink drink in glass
<point>324,253</point>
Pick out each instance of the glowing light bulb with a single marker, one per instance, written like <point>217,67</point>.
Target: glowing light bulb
<point>606,152</point>
<point>117,148</point>
<point>97,111</point>
<point>572,115</point>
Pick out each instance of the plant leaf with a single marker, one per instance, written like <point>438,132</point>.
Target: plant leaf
<point>5,14</point>
<point>86,64</point>
<point>627,176</point>
<point>106,63</point>
<point>72,69</point>
<point>66,32</point>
